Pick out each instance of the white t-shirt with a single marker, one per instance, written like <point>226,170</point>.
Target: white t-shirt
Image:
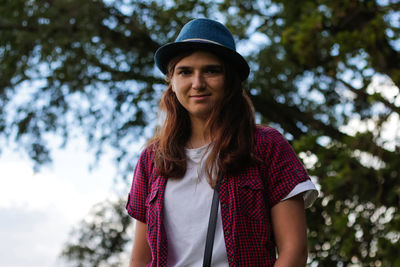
<point>187,206</point>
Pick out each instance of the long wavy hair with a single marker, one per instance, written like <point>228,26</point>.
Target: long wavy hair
<point>231,127</point>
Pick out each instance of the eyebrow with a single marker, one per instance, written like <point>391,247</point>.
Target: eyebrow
<point>216,66</point>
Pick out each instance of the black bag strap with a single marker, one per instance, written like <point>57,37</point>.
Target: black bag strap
<point>211,227</point>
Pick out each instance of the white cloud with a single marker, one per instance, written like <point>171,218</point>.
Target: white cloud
<point>30,238</point>
<point>38,210</point>
<point>21,188</point>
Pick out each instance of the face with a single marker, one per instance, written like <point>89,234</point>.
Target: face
<point>198,82</point>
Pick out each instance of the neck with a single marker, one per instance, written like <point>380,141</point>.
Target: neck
<point>200,135</point>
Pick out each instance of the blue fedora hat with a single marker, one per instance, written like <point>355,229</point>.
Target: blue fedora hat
<point>203,34</point>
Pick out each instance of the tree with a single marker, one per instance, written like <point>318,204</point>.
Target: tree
<point>105,243</point>
<point>314,75</point>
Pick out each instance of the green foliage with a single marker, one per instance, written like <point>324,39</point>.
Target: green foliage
<point>101,238</point>
<point>88,64</point>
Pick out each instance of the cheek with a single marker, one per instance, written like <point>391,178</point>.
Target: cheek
<point>178,88</point>
<point>176,91</point>
<point>173,86</point>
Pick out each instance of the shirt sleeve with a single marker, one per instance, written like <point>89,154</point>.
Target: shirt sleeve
<point>284,168</point>
<point>136,204</point>
<point>309,191</point>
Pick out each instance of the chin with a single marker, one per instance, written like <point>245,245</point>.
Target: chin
<point>201,114</point>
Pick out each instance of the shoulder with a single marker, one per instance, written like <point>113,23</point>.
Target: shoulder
<point>146,158</point>
<point>270,143</point>
<point>149,151</point>
<point>267,136</point>
<point>265,130</point>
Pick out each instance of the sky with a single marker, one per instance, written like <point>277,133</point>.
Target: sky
<point>38,210</point>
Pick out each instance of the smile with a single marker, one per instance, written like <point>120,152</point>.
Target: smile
<point>199,96</point>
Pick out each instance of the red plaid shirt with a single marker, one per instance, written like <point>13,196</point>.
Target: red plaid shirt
<point>246,199</point>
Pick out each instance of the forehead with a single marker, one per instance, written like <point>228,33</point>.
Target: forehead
<point>199,58</point>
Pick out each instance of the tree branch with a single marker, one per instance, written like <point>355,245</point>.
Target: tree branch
<point>362,94</point>
<point>287,116</point>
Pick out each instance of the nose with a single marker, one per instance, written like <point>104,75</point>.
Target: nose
<point>198,82</point>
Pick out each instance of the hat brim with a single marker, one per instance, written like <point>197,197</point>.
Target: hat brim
<point>168,51</point>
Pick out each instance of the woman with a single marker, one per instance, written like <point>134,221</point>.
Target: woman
<point>209,140</point>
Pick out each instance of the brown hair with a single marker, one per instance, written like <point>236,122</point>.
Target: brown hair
<point>231,126</point>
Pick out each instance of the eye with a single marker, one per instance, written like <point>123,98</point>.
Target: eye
<point>184,71</point>
<point>214,70</point>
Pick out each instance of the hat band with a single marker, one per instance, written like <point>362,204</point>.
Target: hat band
<point>200,40</point>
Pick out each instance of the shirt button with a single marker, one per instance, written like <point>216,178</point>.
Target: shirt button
<point>227,232</point>
<point>230,259</point>
<point>224,205</point>
<point>222,181</point>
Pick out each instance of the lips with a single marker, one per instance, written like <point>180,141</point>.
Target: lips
<point>203,95</point>
<point>200,97</point>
